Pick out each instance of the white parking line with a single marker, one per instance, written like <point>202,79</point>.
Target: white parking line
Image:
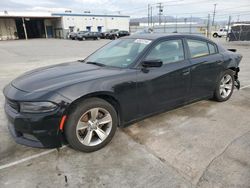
<point>245,87</point>
<point>28,158</point>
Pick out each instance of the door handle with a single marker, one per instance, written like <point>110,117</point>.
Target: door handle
<point>186,72</point>
<point>219,62</point>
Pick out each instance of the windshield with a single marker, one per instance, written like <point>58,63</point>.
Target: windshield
<point>119,53</point>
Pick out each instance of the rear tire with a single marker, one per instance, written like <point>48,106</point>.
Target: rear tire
<point>95,117</point>
<point>225,86</point>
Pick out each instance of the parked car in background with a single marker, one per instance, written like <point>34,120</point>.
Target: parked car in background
<point>89,35</point>
<point>131,78</point>
<point>222,32</point>
<point>105,34</point>
<point>118,34</point>
<point>144,31</point>
<point>73,35</point>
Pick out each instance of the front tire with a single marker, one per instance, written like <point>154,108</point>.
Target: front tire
<point>225,86</point>
<point>215,35</point>
<point>91,125</point>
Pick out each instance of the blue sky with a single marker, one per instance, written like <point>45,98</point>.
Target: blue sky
<point>239,9</point>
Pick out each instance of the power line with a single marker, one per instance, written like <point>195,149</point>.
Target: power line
<point>166,2</point>
<point>142,9</point>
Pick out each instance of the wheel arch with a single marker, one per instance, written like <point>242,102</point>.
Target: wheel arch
<point>107,96</point>
<point>236,70</point>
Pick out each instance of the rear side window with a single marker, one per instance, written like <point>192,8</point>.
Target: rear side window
<point>212,48</point>
<point>197,48</point>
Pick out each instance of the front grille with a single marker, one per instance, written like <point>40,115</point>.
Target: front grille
<point>13,104</point>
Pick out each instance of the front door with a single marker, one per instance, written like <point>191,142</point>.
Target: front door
<point>164,87</point>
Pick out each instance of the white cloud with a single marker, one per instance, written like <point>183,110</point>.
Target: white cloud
<point>34,2</point>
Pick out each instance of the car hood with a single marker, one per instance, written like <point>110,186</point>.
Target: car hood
<point>58,76</point>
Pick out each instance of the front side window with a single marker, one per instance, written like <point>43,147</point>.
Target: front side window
<point>197,48</point>
<point>167,51</point>
<point>119,53</point>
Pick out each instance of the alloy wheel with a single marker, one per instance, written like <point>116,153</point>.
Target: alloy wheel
<point>226,85</point>
<point>94,126</point>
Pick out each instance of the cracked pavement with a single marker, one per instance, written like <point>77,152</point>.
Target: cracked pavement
<point>204,144</point>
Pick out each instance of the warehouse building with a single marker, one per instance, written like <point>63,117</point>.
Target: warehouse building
<point>27,25</point>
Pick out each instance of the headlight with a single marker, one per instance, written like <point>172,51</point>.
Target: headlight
<point>37,107</point>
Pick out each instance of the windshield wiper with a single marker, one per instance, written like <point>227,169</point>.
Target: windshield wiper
<point>96,63</point>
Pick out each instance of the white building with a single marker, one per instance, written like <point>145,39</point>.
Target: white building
<point>21,25</point>
<point>93,22</point>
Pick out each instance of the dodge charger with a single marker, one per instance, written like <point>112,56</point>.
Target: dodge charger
<point>82,103</point>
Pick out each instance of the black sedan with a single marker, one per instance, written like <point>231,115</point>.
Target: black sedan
<point>118,34</point>
<point>88,35</point>
<point>82,103</point>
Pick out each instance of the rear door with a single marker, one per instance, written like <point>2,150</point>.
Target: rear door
<point>206,65</point>
<point>167,86</point>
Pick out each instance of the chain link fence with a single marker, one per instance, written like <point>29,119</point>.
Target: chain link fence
<point>186,28</point>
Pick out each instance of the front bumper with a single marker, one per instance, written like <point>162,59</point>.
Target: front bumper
<point>35,130</point>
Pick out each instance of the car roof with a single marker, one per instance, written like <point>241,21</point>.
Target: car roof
<point>155,36</point>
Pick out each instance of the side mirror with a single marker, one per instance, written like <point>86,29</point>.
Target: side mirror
<point>232,50</point>
<point>152,63</point>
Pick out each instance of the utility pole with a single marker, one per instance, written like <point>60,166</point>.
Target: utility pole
<point>148,13</point>
<point>176,20</point>
<point>228,25</point>
<point>151,17</point>
<point>160,11</point>
<point>208,25</point>
<point>214,13</point>
<point>165,24</point>
<point>238,18</point>
<point>190,24</point>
